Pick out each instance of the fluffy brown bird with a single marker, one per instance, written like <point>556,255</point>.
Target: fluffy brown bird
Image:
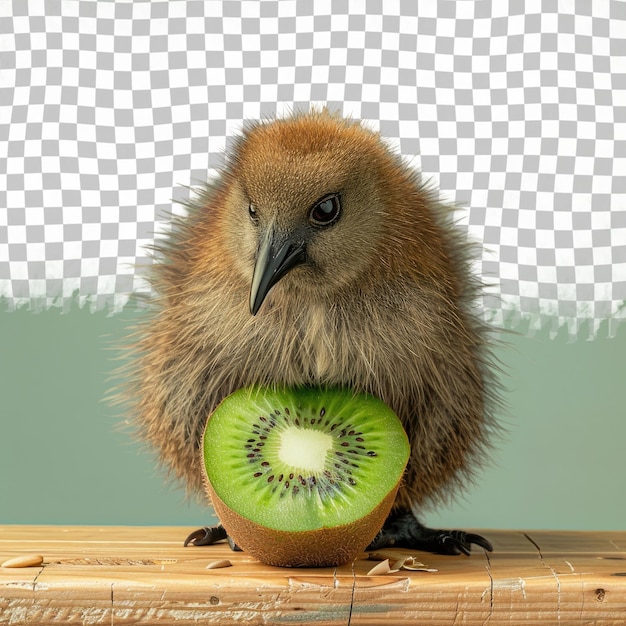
<point>319,257</point>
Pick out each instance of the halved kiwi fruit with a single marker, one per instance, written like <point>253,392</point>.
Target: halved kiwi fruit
<point>303,476</point>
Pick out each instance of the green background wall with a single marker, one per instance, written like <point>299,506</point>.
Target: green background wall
<point>65,460</point>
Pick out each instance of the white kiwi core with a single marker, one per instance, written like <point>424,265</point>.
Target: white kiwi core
<point>304,448</point>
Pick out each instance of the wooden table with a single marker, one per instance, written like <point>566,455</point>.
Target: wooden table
<point>138,575</point>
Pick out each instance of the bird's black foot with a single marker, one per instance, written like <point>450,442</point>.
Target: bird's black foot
<point>208,535</point>
<point>403,530</point>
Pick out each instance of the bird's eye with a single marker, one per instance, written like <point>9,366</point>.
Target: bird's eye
<point>326,211</point>
<point>253,213</point>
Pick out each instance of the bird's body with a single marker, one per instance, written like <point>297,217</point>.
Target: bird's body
<point>356,277</point>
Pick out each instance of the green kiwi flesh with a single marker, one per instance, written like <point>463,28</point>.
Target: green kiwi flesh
<point>295,472</point>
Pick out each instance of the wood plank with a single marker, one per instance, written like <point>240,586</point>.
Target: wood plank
<point>143,575</point>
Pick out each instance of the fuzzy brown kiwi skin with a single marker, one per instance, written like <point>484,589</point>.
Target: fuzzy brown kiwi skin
<point>324,547</point>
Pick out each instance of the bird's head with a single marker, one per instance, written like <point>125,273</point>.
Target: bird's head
<point>311,201</point>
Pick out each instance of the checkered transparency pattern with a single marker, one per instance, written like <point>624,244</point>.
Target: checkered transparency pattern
<point>517,111</point>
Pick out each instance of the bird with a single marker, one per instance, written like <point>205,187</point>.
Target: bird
<point>319,256</point>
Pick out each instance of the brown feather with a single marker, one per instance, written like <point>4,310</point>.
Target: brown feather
<point>384,306</point>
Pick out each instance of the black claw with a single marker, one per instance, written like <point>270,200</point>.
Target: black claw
<point>480,541</point>
<point>206,536</point>
<point>403,530</point>
<point>458,541</point>
<point>233,546</point>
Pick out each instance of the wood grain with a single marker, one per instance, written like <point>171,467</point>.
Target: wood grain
<point>143,575</point>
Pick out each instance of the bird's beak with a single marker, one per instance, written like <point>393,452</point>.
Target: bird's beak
<point>277,254</point>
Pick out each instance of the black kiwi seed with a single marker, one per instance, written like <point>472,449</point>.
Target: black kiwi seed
<point>322,412</point>
<point>371,453</point>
